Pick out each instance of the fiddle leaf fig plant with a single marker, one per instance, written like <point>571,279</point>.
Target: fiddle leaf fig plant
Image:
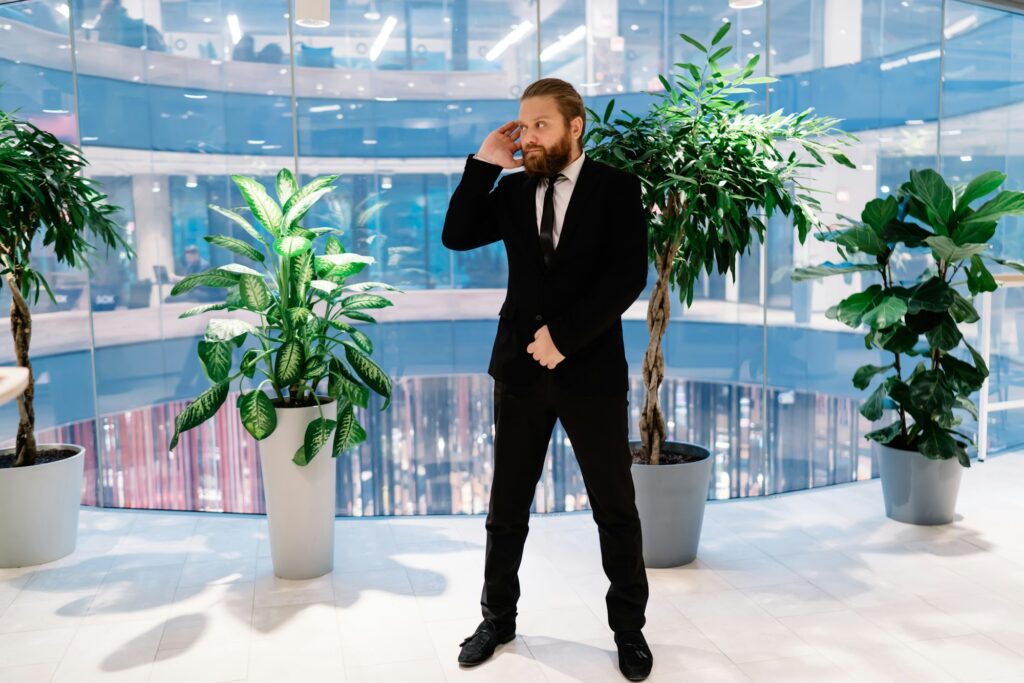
<point>45,203</point>
<point>299,297</point>
<point>711,174</point>
<point>919,318</point>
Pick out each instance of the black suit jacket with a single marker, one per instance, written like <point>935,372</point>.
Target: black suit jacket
<point>600,268</point>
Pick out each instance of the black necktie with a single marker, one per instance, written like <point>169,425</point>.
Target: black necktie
<point>547,221</point>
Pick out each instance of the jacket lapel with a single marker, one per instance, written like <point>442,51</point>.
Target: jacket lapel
<point>585,183</point>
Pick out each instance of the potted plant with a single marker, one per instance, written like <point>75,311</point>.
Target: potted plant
<point>44,202</point>
<point>297,300</point>
<point>921,459</point>
<point>709,170</point>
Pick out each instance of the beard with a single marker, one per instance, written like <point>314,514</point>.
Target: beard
<point>548,161</point>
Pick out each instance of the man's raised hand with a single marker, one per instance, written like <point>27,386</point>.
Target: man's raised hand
<point>500,146</point>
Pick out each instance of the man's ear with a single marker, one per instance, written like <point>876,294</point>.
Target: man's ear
<point>576,126</point>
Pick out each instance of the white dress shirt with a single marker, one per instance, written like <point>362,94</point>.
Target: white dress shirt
<point>560,200</point>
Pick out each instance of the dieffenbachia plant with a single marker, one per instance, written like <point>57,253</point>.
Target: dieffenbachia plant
<point>300,297</point>
<point>919,318</point>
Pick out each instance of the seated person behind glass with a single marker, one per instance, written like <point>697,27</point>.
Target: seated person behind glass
<point>191,264</point>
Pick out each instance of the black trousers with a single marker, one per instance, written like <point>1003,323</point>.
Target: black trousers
<point>598,428</point>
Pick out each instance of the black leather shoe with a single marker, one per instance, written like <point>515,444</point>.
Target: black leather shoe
<point>481,645</point>
<point>635,659</point>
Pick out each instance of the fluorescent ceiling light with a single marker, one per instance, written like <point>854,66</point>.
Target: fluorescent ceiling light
<point>958,27</point>
<point>745,4</point>
<point>324,107</point>
<point>234,28</point>
<point>563,43</point>
<point>382,38</point>
<point>517,34</point>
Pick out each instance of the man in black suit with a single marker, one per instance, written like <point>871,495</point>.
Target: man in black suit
<point>575,236</point>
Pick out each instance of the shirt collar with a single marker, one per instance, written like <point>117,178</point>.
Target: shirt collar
<point>572,171</point>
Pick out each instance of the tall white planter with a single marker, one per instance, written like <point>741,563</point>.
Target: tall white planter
<point>300,499</point>
<point>39,509</point>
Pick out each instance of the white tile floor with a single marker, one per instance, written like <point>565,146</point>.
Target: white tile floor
<point>814,586</point>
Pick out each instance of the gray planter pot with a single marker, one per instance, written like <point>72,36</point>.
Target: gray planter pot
<point>39,509</point>
<point>916,489</point>
<point>671,500</point>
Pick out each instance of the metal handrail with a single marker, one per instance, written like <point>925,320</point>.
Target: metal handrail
<point>984,405</point>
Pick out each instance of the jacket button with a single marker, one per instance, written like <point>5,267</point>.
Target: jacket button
<point>539,318</point>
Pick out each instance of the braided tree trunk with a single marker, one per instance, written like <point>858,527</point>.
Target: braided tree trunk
<point>652,421</point>
<point>21,330</point>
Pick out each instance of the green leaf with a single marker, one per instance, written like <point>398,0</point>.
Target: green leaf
<point>897,339</point>
<point>962,310</point>
<point>872,407</point>
<point>888,311</point>
<point>862,377</point>
<point>937,197</point>
<point>369,371</point>
<point>265,209</point>
<point>979,279</point>
<point>362,301</point>
<point>1010,263</point>
<point>950,252</point>
<point>216,359</point>
<point>966,377</point>
<point>301,202</point>
<point>241,222</point>
<point>693,42</point>
<point>929,392</point>
<point>885,434</point>
<point>851,309</point>
<point>364,286</point>
<point>937,444</point>
<point>945,335</point>
<point>292,245</point>
<point>934,294</point>
<point>286,185</point>
<point>349,432</point>
<point>288,363</point>
<point>721,33</point>
<point>333,246</point>
<point>979,362</point>
<point>974,233</point>
<point>910,234</point>
<point>210,278</point>
<point>302,271</point>
<point>238,269</point>
<point>843,160</point>
<point>236,246</point>
<point>967,404</point>
<point>863,240</point>
<point>1006,203</point>
<point>324,286</point>
<point>359,315</point>
<point>258,414</point>
<point>317,433</point>
<point>199,410</point>
<point>248,364</point>
<point>878,212</point>
<point>982,185</point>
<point>205,308</point>
<point>227,329</point>
<point>255,293</point>
<point>826,269</point>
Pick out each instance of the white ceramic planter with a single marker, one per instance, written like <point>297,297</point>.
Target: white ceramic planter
<point>39,509</point>
<point>300,499</point>
<point>670,500</point>
<point>916,489</point>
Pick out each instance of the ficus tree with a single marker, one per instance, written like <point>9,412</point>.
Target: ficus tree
<point>712,173</point>
<point>918,318</point>
<point>45,204</point>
